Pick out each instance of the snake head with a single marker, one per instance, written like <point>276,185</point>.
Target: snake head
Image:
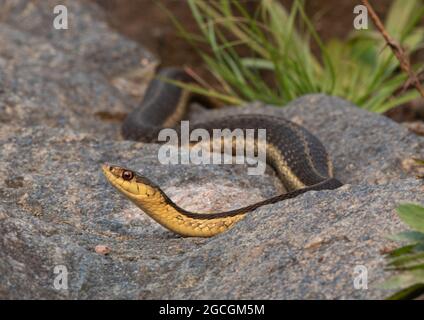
<point>129,182</point>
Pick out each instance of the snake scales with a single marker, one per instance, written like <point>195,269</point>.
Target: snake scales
<point>297,156</point>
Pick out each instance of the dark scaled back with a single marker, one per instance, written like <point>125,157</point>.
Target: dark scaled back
<point>301,152</point>
<point>158,104</point>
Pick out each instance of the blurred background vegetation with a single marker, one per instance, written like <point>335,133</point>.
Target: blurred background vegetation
<point>274,51</point>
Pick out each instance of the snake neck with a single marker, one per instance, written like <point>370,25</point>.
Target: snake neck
<point>168,214</point>
<point>165,212</point>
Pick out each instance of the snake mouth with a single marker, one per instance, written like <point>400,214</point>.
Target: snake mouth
<point>106,168</point>
<point>111,172</point>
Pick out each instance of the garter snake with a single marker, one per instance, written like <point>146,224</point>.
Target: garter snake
<point>298,157</point>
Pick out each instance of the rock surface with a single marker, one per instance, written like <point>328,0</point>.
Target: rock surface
<point>60,103</point>
<point>63,78</point>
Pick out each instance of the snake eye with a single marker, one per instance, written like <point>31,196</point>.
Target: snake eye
<point>127,175</point>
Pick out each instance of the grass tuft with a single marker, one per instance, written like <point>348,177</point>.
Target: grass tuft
<point>408,259</point>
<point>266,55</point>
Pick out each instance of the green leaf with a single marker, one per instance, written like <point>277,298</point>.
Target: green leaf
<point>405,279</point>
<point>412,215</point>
<point>207,92</point>
<point>257,63</point>
<point>413,236</point>
<point>410,258</point>
<point>402,250</point>
<point>391,103</point>
<point>414,260</point>
<point>408,293</point>
<point>419,161</point>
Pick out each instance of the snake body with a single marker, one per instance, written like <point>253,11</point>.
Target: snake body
<point>298,157</point>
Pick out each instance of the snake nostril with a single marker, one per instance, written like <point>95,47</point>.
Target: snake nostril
<point>110,168</point>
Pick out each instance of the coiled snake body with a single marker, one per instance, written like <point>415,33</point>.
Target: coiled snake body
<point>297,156</point>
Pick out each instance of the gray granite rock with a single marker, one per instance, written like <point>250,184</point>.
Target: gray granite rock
<point>88,41</point>
<point>57,209</point>
<point>66,78</point>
